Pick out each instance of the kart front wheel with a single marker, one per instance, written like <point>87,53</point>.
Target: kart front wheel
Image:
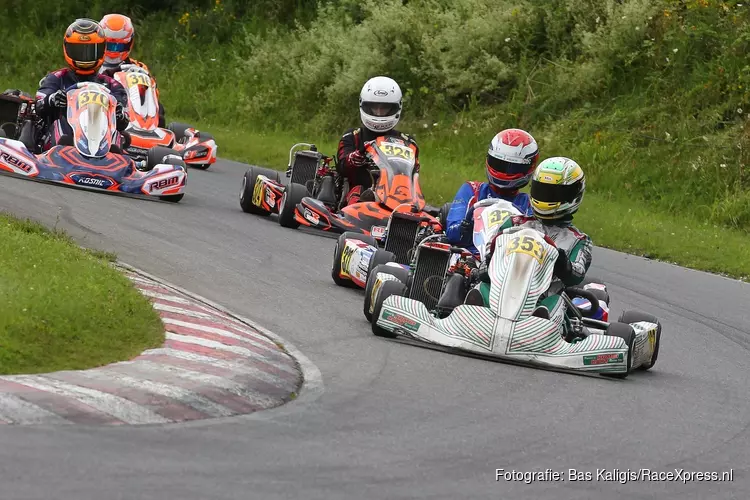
<point>293,194</point>
<point>399,273</point>
<point>156,156</point>
<point>338,254</point>
<point>247,190</point>
<point>630,317</point>
<point>386,290</point>
<point>625,332</point>
<point>172,198</point>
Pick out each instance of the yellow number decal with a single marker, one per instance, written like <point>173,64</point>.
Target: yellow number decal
<point>258,192</point>
<point>497,217</point>
<point>138,79</point>
<point>527,245</point>
<point>393,150</point>
<point>346,259</point>
<point>86,97</point>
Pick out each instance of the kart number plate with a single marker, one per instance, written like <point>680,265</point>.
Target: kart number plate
<point>392,149</point>
<point>527,245</point>
<point>135,79</point>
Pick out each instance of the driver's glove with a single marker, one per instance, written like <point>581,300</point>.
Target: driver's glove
<point>356,159</point>
<point>119,112</point>
<point>58,99</point>
<point>563,267</point>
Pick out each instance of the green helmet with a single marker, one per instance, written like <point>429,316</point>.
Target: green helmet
<point>557,188</point>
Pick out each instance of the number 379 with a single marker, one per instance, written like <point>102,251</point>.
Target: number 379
<point>527,245</point>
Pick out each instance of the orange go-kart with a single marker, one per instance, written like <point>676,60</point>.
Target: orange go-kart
<point>197,148</point>
<point>394,216</point>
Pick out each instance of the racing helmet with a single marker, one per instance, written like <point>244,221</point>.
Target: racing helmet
<point>83,46</point>
<point>380,104</point>
<point>557,188</point>
<point>118,30</point>
<point>512,156</point>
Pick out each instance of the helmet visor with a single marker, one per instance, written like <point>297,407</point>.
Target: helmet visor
<point>555,193</point>
<point>85,53</point>
<point>118,46</point>
<point>380,108</point>
<point>504,167</point>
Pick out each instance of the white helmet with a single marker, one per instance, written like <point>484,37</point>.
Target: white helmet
<point>380,104</point>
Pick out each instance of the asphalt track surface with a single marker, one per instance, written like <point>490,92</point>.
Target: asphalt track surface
<point>393,421</point>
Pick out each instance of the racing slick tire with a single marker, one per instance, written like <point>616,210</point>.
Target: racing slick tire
<point>400,273</point>
<point>156,156</point>
<point>248,187</point>
<point>625,332</point>
<point>386,290</point>
<point>338,254</point>
<point>443,214</point>
<point>293,194</point>
<point>637,316</point>
<point>178,129</point>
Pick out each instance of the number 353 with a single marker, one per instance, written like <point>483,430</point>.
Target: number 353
<point>527,245</point>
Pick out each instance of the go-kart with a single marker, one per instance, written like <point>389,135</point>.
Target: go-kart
<point>500,316</point>
<point>16,106</point>
<point>196,148</point>
<point>91,159</point>
<point>315,195</point>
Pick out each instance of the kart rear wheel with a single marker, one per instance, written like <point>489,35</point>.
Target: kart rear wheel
<point>443,214</point>
<point>293,194</point>
<point>386,290</point>
<point>248,188</point>
<point>338,252</point>
<point>156,156</point>
<point>400,273</point>
<point>179,130</point>
<point>172,198</point>
<point>637,316</point>
<point>625,332</point>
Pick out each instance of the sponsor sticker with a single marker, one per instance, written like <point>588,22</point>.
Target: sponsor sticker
<point>16,162</point>
<point>603,359</point>
<point>377,231</point>
<point>164,183</point>
<point>312,216</point>
<point>95,181</point>
<point>401,320</point>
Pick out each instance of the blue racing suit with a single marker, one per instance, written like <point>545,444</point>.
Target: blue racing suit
<point>460,234</point>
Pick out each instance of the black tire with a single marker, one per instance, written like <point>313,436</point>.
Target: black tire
<point>179,130</point>
<point>248,187</point>
<point>172,198</point>
<point>399,272</point>
<point>635,317</point>
<point>338,253</point>
<point>625,332</point>
<point>389,288</point>
<point>293,194</point>
<point>443,214</point>
<point>156,155</point>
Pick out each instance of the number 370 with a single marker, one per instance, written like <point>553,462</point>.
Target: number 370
<point>527,245</point>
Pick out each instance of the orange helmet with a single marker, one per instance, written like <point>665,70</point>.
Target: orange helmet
<point>83,46</point>
<point>118,30</point>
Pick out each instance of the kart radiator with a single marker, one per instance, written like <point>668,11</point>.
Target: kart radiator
<point>429,276</point>
<point>304,166</point>
<point>401,236</point>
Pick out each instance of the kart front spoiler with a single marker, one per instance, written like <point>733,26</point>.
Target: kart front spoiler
<point>533,341</point>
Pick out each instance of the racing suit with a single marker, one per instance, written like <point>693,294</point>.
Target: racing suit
<point>351,162</point>
<point>459,220</point>
<point>111,70</point>
<point>56,117</point>
<point>573,261</point>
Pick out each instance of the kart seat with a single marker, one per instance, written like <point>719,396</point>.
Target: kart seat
<point>541,312</point>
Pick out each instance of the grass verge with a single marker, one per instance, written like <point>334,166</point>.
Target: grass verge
<point>63,307</point>
<point>611,219</point>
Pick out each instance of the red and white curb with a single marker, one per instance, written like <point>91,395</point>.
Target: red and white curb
<point>211,365</point>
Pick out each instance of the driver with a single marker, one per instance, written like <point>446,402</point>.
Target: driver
<point>380,109</point>
<point>557,188</point>
<point>512,156</point>
<point>83,47</point>
<point>119,33</point>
